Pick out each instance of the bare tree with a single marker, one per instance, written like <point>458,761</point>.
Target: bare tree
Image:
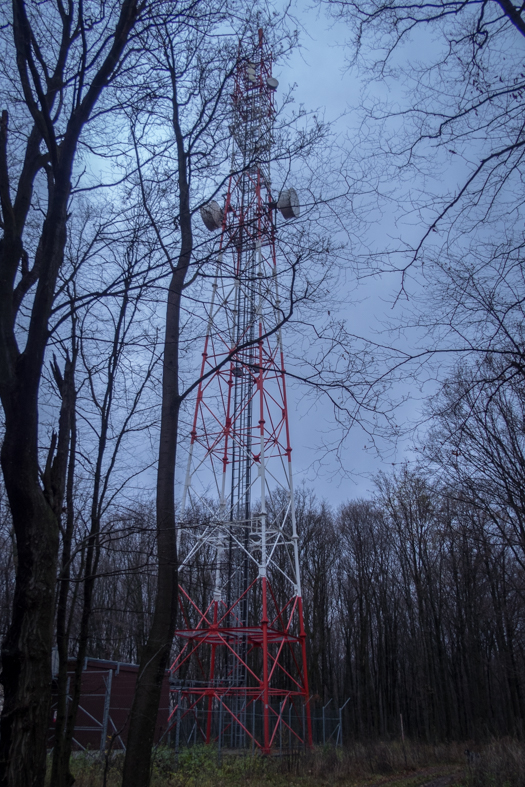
<point>66,59</point>
<point>116,345</point>
<point>476,442</point>
<point>444,157</point>
<point>464,112</point>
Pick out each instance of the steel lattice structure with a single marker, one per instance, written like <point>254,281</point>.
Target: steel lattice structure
<point>240,674</point>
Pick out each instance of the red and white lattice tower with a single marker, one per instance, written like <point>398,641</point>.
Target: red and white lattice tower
<point>240,675</point>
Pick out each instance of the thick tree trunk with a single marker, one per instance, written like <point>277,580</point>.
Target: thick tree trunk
<point>137,765</point>
<point>20,650</point>
<point>26,652</point>
<point>60,774</point>
<point>156,652</point>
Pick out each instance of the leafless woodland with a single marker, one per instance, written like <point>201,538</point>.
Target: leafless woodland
<point>114,132</point>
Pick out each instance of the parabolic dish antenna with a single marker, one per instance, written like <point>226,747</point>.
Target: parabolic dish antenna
<point>288,204</point>
<point>212,215</point>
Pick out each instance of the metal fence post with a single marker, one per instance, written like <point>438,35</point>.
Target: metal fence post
<point>340,730</point>
<point>281,729</point>
<point>105,717</point>
<point>219,739</point>
<point>253,725</point>
<point>324,722</point>
<point>304,725</point>
<point>177,729</point>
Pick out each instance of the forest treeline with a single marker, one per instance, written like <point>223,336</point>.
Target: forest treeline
<point>413,605</point>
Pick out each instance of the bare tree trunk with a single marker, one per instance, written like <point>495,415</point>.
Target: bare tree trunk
<point>154,659</point>
<point>157,648</point>
<point>26,653</point>
<point>59,753</point>
<point>34,591</point>
<point>60,775</point>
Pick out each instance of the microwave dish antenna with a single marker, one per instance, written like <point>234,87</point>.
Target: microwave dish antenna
<point>212,215</point>
<point>288,204</point>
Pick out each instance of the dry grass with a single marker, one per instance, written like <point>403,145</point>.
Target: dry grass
<point>499,764</point>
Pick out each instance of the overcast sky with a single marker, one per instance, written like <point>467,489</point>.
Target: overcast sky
<point>323,81</point>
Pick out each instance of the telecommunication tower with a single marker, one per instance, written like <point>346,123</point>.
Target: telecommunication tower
<point>240,675</point>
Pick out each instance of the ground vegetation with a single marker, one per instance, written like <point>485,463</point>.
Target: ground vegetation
<point>359,765</point>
